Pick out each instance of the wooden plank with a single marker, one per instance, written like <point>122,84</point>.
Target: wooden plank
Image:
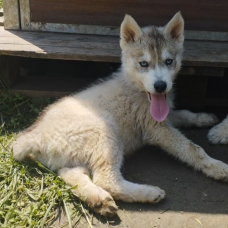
<point>11,14</point>
<point>110,30</point>
<point>25,14</point>
<point>98,48</point>
<point>205,35</point>
<point>203,71</point>
<point>200,15</point>
<point>28,24</point>
<point>205,53</point>
<point>37,86</point>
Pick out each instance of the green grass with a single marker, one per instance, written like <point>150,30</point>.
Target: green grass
<point>30,194</point>
<point>0,4</point>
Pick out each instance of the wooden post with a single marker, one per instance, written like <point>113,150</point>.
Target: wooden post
<point>11,14</point>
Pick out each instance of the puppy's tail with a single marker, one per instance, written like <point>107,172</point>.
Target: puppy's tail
<point>24,147</point>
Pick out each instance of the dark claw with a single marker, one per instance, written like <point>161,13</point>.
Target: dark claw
<point>111,208</point>
<point>108,214</point>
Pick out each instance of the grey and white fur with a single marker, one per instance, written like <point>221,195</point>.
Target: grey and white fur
<point>85,136</point>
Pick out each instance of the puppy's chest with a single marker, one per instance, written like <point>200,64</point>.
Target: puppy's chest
<point>128,113</point>
<point>129,121</point>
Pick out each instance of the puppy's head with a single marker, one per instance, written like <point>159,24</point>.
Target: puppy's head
<point>151,57</point>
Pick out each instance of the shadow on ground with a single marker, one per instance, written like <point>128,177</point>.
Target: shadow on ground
<point>192,199</point>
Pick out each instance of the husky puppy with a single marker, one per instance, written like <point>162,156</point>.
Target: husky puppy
<point>219,133</point>
<point>86,135</point>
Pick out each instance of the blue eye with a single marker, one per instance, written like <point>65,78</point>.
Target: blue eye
<point>168,62</point>
<point>143,64</point>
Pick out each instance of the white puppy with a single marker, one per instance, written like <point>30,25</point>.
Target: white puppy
<point>85,136</point>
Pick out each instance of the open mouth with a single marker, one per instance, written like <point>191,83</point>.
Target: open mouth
<point>159,108</point>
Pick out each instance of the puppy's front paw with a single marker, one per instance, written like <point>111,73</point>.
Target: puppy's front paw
<point>219,133</point>
<point>158,195</point>
<point>153,195</point>
<point>217,136</point>
<point>217,170</point>
<point>206,120</point>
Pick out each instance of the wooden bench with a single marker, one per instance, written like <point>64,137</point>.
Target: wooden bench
<point>33,21</point>
<point>201,58</point>
<point>98,48</point>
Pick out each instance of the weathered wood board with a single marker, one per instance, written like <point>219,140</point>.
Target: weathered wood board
<point>98,48</point>
<point>11,14</point>
<point>36,86</point>
<point>199,15</point>
<point>104,17</point>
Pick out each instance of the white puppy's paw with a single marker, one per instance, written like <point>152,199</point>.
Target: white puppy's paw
<point>206,119</point>
<point>216,169</point>
<point>154,195</point>
<point>219,133</point>
<point>218,136</point>
<point>105,206</point>
<point>101,202</point>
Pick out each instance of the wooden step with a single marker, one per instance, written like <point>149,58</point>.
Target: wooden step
<point>98,48</point>
<point>36,86</point>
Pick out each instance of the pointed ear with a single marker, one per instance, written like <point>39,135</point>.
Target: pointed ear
<point>175,28</point>
<point>129,31</point>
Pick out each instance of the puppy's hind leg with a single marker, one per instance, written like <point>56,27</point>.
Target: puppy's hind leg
<point>25,147</point>
<point>185,118</point>
<point>107,175</point>
<point>96,197</point>
<point>126,191</point>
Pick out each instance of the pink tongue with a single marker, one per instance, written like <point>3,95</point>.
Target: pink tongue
<point>159,108</point>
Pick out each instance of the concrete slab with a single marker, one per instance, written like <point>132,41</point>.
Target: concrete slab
<point>192,199</point>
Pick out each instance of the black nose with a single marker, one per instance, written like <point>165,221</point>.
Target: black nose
<point>160,86</point>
